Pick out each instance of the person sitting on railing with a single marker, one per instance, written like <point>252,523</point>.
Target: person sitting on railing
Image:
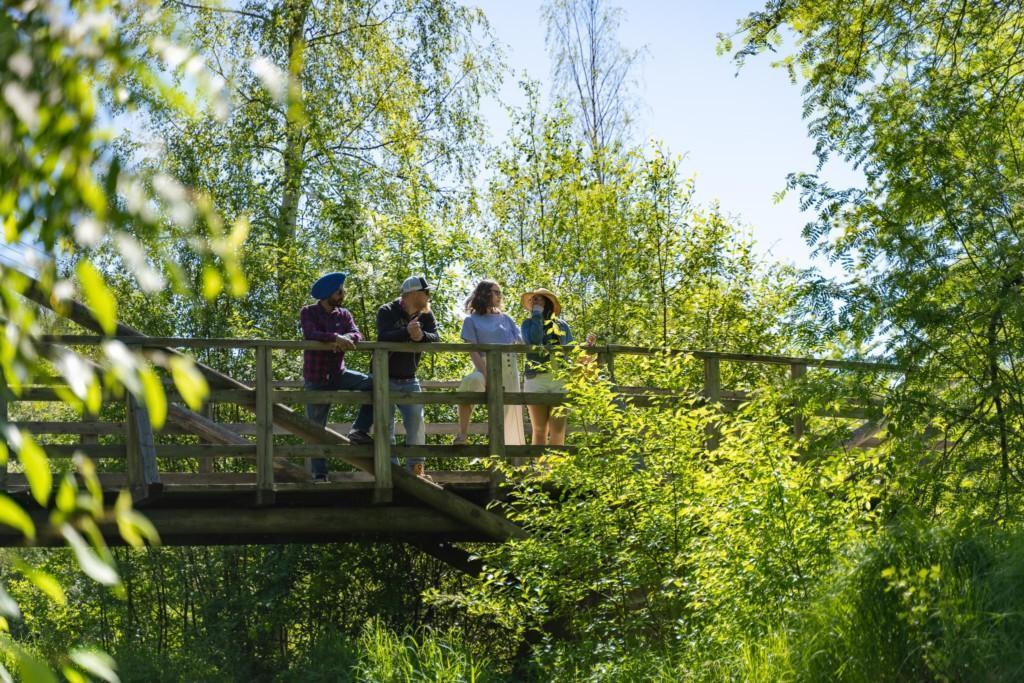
<point>327,321</point>
<point>545,328</point>
<point>407,319</point>
<point>487,324</point>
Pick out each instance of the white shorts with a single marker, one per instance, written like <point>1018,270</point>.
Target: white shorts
<point>544,383</point>
<point>515,434</point>
<point>474,381</point>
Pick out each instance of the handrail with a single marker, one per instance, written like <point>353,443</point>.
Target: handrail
<point>264,399</point>
<point>449,347</point>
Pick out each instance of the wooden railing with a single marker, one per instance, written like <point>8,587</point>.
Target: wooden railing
<point>142,452</point>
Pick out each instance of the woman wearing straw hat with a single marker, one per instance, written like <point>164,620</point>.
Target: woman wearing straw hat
<point>545,328</point>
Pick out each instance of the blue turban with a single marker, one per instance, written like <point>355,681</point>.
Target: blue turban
<point>327,285</point>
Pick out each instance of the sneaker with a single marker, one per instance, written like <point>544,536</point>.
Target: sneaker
<point>460,440</point>
<point>359,438</point>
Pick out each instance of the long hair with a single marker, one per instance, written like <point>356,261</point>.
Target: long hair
<point>479,301</point>
<point>549,308</point>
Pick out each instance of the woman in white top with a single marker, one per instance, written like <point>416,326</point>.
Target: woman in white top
<point>488,324</point>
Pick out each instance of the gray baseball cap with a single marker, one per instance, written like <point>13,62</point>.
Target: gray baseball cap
<point>416,283</point>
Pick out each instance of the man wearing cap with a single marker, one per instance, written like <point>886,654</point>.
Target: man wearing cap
<point>327,321</point>
<point>407,319</point>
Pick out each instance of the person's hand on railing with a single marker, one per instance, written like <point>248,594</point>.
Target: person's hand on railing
<point>342,342</point>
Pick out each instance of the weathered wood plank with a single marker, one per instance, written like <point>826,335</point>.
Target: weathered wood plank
<point>113,482</point>
<point>426,451</point>
<point>264,427</point>
<point>381,444</point>
<point>143,475</point>
<point>223,526</point>
<point>425,397</point>
<point>91,427</point>
<point>495,404</point>
<point>204,451</point>
<point>133,338</point>
<point>103,451</point>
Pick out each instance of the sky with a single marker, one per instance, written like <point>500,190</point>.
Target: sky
<point>739,134</point>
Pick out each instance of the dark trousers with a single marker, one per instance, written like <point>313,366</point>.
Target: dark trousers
<point>349,380</point>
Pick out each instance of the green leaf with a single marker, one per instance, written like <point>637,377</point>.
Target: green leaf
<point>73,675</point>
<point>98,295</point>
<point>154,397</point>
<point>190,382</point>
<point>213,282</point>
<point>14,516</point>
<point>98,663</point>
<point>37,468</point>
<point>88,560</point>
<point>66,491</point>
<point>32,668</point>
<point>136,529</point>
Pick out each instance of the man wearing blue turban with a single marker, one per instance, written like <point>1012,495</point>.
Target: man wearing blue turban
<point>327,321</point>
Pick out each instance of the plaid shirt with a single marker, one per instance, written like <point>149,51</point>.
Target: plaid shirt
<point>319,325</point>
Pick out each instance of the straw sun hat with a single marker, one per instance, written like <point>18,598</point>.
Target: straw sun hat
<point>540,291</point>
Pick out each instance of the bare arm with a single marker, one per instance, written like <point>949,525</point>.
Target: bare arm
<point>479,362</point>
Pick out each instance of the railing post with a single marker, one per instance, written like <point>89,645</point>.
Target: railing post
<point>3,433</point>
<point>382,491</point>
<point>264,426</point>
<point>713,394</point>
<point>796,371</point>
<point>495,404</point>
<point>495,415</point>
<point>140,450</point>
<point>206,464</point>
<point>88,439</point>
<point>607,358</point>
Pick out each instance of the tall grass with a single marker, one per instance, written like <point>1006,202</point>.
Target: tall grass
<point>428,655</point>
<point>916,603</point>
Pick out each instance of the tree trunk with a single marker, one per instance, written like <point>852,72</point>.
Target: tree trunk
<point>295,134</point>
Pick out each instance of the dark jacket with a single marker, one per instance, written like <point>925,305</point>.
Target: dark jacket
<point>391,323</point>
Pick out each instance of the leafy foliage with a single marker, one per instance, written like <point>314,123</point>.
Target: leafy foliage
<point>924,100</point>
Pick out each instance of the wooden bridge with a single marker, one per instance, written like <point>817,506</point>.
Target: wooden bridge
<point>173,477</point>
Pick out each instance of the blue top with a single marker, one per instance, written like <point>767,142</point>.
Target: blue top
<point>491,328</point>
<point>539,332</point>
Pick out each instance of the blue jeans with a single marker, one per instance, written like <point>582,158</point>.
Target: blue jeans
<point>349,380</point>
<point>412,418</point>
